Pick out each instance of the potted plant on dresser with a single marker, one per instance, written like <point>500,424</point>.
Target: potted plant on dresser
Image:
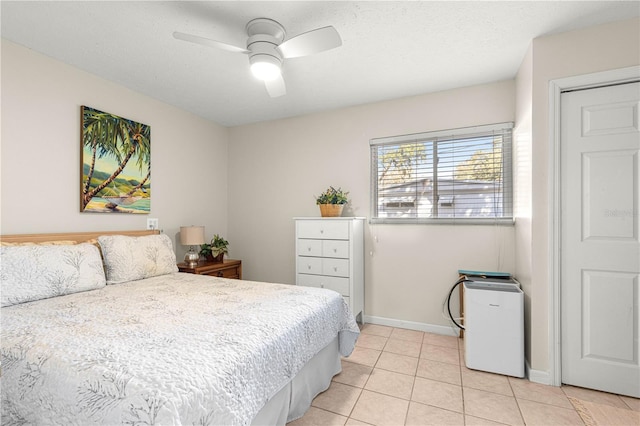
<point>215,250</point>
<point>332,202</point>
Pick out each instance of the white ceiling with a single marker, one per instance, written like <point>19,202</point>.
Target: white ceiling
<point>390,49</point>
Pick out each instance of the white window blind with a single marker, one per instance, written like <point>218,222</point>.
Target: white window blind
<point>460,175</point>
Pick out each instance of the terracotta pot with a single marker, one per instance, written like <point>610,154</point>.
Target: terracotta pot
<point>331,210</point>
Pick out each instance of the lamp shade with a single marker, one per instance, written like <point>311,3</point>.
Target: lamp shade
<point>191,235</point>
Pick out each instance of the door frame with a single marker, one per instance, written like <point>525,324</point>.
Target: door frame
<point>556,87</point>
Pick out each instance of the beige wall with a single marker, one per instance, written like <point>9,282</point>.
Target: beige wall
<point>272,173</point>
<point>606,47</point>
<point>276,168</point>
<point>522,186</point>
<point>40,173</point>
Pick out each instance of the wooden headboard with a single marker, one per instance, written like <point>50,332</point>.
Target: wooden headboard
<point>70,236</point>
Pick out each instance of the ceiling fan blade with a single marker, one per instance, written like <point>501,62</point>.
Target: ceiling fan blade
<point>314,41</point>
<point>276,87</point>
<point>207,42</point>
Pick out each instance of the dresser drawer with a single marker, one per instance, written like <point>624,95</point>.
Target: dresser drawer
<point>323,248</point>
<point>341,285</point>
<point>323,266</point>
<point>310,265</point>
<point>335,248</point>
<point>323,229</point>
<point>308,247</point>
<point>335,267</point>
<point>225,273</point>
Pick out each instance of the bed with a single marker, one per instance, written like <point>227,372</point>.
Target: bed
<point>100,328</point>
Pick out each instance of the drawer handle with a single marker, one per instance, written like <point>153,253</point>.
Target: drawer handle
<point>335,269</point>
<point>308,248</point>
<point>322,231</point>
<point>335,250</point>
<point>309,267</point>
<point>321,285</point>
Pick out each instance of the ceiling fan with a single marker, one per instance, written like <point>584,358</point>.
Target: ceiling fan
<point>267,49</point>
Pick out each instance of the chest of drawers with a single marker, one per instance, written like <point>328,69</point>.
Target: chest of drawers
<point>330,254</point>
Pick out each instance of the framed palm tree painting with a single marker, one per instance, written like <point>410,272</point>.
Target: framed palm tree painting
<point>115,163</point>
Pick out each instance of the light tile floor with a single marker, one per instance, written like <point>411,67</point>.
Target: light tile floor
<point>405,377</point>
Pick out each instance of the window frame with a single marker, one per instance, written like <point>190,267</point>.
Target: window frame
<point>506,129</point>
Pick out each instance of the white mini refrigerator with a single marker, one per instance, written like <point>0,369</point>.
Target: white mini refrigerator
<point>494,327</point>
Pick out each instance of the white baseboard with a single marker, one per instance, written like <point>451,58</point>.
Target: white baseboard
<point>538,376</point>
<point>411,325</point>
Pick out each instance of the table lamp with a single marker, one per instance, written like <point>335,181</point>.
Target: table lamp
<point>191,236</point>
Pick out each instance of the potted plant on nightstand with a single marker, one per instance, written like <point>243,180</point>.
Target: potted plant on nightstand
<point>215,250</point>
<point>332,202</point>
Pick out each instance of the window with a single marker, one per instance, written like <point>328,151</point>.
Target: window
<point>460,175</point>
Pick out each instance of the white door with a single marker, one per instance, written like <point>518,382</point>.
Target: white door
<point>600,247</point>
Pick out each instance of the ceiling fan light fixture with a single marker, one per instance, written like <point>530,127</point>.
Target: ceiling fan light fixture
<point>265,67</point>
<point>267,49</point>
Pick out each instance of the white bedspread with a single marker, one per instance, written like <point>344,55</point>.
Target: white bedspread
<point>174,349</point>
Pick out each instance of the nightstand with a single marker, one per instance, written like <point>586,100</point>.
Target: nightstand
<point>228,268</point>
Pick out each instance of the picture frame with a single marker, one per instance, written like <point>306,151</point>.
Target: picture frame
<point>115,164</point>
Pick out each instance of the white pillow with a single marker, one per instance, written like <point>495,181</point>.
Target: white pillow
<point>134,258</point>
<point>35,272</point>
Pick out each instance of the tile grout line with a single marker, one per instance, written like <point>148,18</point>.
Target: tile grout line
<point>464,405</point>
<point>627,404</point>
<point>413,386</point>
<point>357,399</point>
<point>517,401</point>
<point>365,384</point>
